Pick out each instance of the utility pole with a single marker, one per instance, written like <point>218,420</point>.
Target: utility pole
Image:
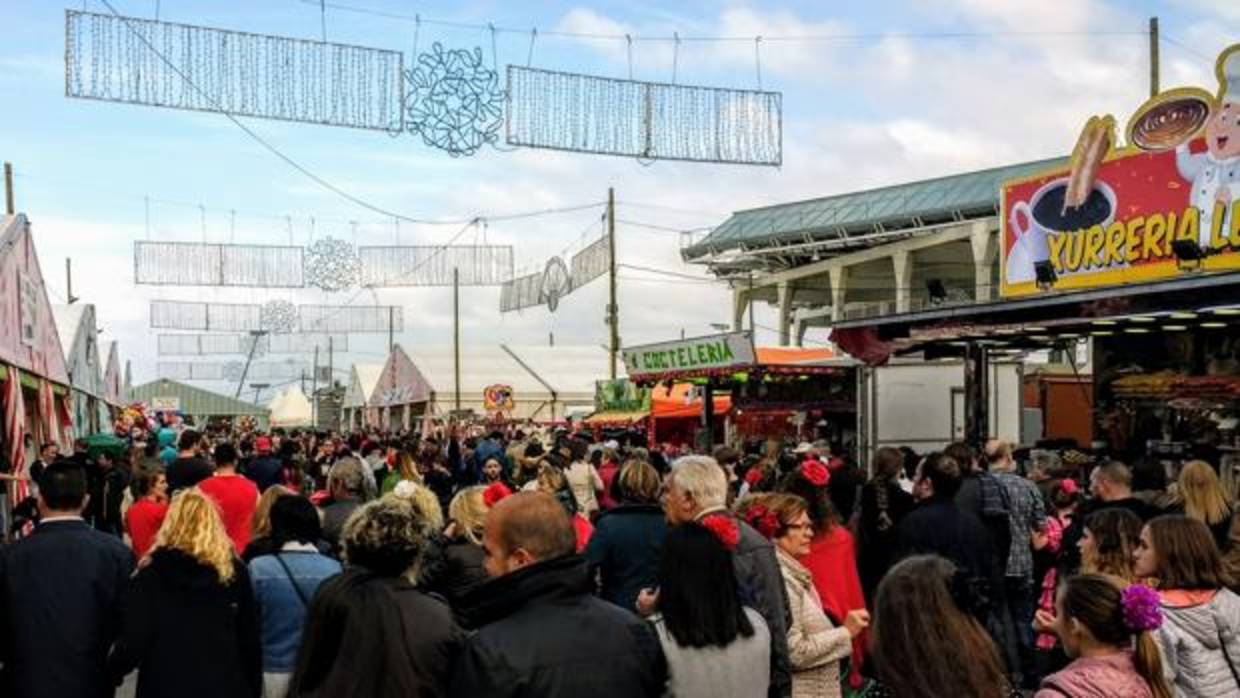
<point>69,297</point>
<point>314,389</point>
<point>1153,56</point>
<point>456,338</point>
<point>331,365</point>
<point>255,335</point>
<point>750,295</point>
<point>613,310</point>
<point>9,205</point>
<point>391,324</point>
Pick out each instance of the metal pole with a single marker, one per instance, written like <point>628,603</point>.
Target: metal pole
<point>331,366</point>
<point>613,309</point>
<point>751,321</point>
<point>708,414</point>
<point>254,336</point>
<point>314,389</point>
<point>456,338</point>
<point>69,297</point>
<point>391,325</point>
<point>1153,56</point>
<point>9,204</point>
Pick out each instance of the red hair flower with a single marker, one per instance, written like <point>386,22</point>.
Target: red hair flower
<point>763,520</point>
<point>815,473</point>
<point>494,493</point>
<point>754,476</point>
<point>725,529</point>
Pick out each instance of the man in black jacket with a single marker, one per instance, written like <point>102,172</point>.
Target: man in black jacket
<point>541,632</point>
<point>60,597</point>
<point>939,527</point>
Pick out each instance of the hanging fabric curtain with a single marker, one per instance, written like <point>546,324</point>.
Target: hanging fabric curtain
<point>15,435</point>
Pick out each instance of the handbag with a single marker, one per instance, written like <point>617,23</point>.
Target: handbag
<point>292,580</point>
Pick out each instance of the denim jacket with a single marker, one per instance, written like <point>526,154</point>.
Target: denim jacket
<point>282,610</point>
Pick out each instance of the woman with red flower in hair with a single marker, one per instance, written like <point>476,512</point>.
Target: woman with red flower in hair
<point>832,556</point>
<point>815,644</point>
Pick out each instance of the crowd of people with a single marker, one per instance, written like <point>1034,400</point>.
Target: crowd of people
<point>557,565</point>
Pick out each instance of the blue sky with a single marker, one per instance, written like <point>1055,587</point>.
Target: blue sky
<point>858,113</point>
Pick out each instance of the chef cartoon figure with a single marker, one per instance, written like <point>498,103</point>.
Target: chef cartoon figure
<point>1215,174</point>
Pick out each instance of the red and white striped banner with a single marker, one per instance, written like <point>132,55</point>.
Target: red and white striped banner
<point>15,435</point>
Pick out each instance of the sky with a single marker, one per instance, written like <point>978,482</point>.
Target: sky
<point>889,92</point>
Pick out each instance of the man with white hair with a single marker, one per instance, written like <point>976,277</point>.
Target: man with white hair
<point>697,487</point>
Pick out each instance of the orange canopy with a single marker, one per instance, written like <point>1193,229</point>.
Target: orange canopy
<point>790,356</point>
<point>671,403</point>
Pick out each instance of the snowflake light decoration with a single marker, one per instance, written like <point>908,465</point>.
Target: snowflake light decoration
<point>454,100</point>
<point>332,265</point>
<point>277,316</point>
<point>556,282</point>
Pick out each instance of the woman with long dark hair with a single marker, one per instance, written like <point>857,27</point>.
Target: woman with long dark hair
<point>369,631</point>
<point>715,647</point>
<point>1200,637</point>
<point>1108,542</point>
<point>883,504</point>
<point>1108,630</point>
<point>922,611</point>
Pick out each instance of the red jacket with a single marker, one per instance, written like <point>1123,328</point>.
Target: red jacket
<point>832,561</point>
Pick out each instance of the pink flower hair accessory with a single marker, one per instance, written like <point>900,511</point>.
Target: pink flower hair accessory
<point>1141,607</point>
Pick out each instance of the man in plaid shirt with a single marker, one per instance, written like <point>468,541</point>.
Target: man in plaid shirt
<point>1026,515</point>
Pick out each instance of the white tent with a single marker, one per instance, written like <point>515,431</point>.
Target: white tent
<point>362,381</point>
<point>291,409</point>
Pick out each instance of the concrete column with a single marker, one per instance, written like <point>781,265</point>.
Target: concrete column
<point>985,246</point>
<point>902,265</point>
<point>786,291</point>
<point>739,303</point>
<point>839,286</point>
<point>801,327</point>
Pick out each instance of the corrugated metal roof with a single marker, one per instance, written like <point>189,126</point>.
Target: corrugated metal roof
<point>837,217</point>
<point>195,401</point>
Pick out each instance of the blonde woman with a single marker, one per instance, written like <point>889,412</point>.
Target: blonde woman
<point>191,625</point>
<point>1201,496</point>
<point>456,567</point>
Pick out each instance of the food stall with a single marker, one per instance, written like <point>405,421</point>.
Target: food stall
<point>755,392</point>
<point>1132,251</point>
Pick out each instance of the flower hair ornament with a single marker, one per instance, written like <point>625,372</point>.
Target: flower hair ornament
<point>763,520</point>
<point>1068,486</point>
<point>405,489</point>
<point>725,529</point>
<point>1142,610</point>
<point>815,473</point>
<point>754,476</point>
<point>495,493</point>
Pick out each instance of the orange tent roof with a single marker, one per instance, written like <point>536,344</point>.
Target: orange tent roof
<point>790,356</point>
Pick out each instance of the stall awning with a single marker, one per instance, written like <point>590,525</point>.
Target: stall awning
<point>1199,299</point>
<point>620,418</point>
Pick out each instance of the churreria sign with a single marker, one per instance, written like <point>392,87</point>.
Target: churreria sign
<point>702,353</point>
<point>1115,215</point>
